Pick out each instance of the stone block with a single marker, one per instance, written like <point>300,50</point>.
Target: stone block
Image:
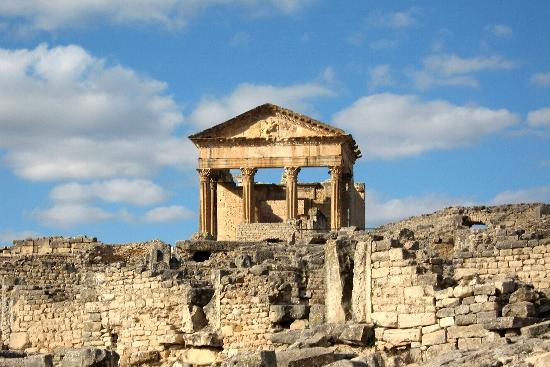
<point>486,316</point>
<point>436,337</point>
<point>439,349</point>
<point>287,313</point>
<point>520,309</point>
<point>445,312</point>
<point>19,341</point>
<point>505,286</point>
<point>485,289</point>
<point>466,319</point>
<point>536,329</point>
<point>416,319</point>
<point>462,309</point>
<point>503,323</point>
<point>396,254</point>
<point>200,356</point>
<point>357,334</point>
<point>469,343</point>
<point>305,357</point>
<point>449,302</point>
<point>470,331</point>
<point>414,292</point>
<point>402,336</point>
<point>463,291</point>
<point>539,360</point>
<point>447,321</point>
<point>384,319</point>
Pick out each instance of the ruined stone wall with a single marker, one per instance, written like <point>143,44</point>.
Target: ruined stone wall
<point>428,285</point>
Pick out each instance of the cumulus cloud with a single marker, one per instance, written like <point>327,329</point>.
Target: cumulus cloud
<point>51,15</point>
<point>540,79</point>
<point>500,30</point>
<point>212,110</point>
<point>453,70</point>
<point>398,19</point>
<point>65,114</point>
<point>539,118</point>
<point>392,126</point>
<point>382,210</point>
<point>531,195</point>
<point>168,214</point>
<point>7,236</point>
<point>380,76</point>
<point>72,214</point>
<point>135,192</point>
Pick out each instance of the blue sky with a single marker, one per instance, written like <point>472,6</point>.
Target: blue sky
<point>449,102</point>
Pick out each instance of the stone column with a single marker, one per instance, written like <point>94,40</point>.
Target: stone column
<point>214,205</point>
<point>204,199</point>
<point>247,175</point>
<point>291,179</point>
<point>335,198</point>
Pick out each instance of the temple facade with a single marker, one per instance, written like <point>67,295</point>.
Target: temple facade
<point>270,136</point>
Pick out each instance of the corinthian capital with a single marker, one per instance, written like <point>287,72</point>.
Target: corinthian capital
<point>204,174</point>
<point>291,173</point>
<point>335,171</point>
<point>248,172</point>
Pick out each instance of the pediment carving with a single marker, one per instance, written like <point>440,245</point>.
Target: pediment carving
<point>269,122</point>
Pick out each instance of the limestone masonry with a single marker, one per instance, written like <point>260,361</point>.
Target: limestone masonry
<point>286,275</point>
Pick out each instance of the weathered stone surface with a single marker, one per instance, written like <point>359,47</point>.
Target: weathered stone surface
<point>502,323</point>
<point>286,313</point>
<point>402,336</point>
<point>306,357</point>
<point>19,341</point>
<point>418,319</point>
<point>251,359</point>
<point>470,331</point>
<point>89,357</point>
<point>436,337</point>
<point>519,309</point>
<point>385,319</point>
<point>200,356</point>
<point>536,329</point>
<point>357,334</point>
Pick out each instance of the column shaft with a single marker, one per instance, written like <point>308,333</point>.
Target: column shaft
<point>204,193</point>
<point>247,175</point>
<point>291,181</point>
<point>336,197</point>
<point>214,205</point>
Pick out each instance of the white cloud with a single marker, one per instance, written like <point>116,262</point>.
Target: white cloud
<point>453,65</point>
<point>383,44</point>
<point>69,215</point>
<point>136,192</point>
<point>213,110</point>
<point>168,214</point>
<point>531,195</point>
<point>51,15</point>
<point>65,114</point>
<point>399,19</point>
<point>380,76</point>
<point>539,118</point>
<point>7,236</point>
<point>450,69</point>
<point>240,39</point>
<point>540,79</point>
<point>392,126</point>
<point>500,30</point>
<point>382,211</point>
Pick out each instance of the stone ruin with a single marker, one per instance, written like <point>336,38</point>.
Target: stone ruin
<point>427,289</point>
<point>286,275</point>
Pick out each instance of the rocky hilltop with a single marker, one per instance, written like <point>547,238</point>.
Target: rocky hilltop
<point>459,287</point>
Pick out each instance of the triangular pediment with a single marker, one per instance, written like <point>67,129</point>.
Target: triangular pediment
<point>271,122</point>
